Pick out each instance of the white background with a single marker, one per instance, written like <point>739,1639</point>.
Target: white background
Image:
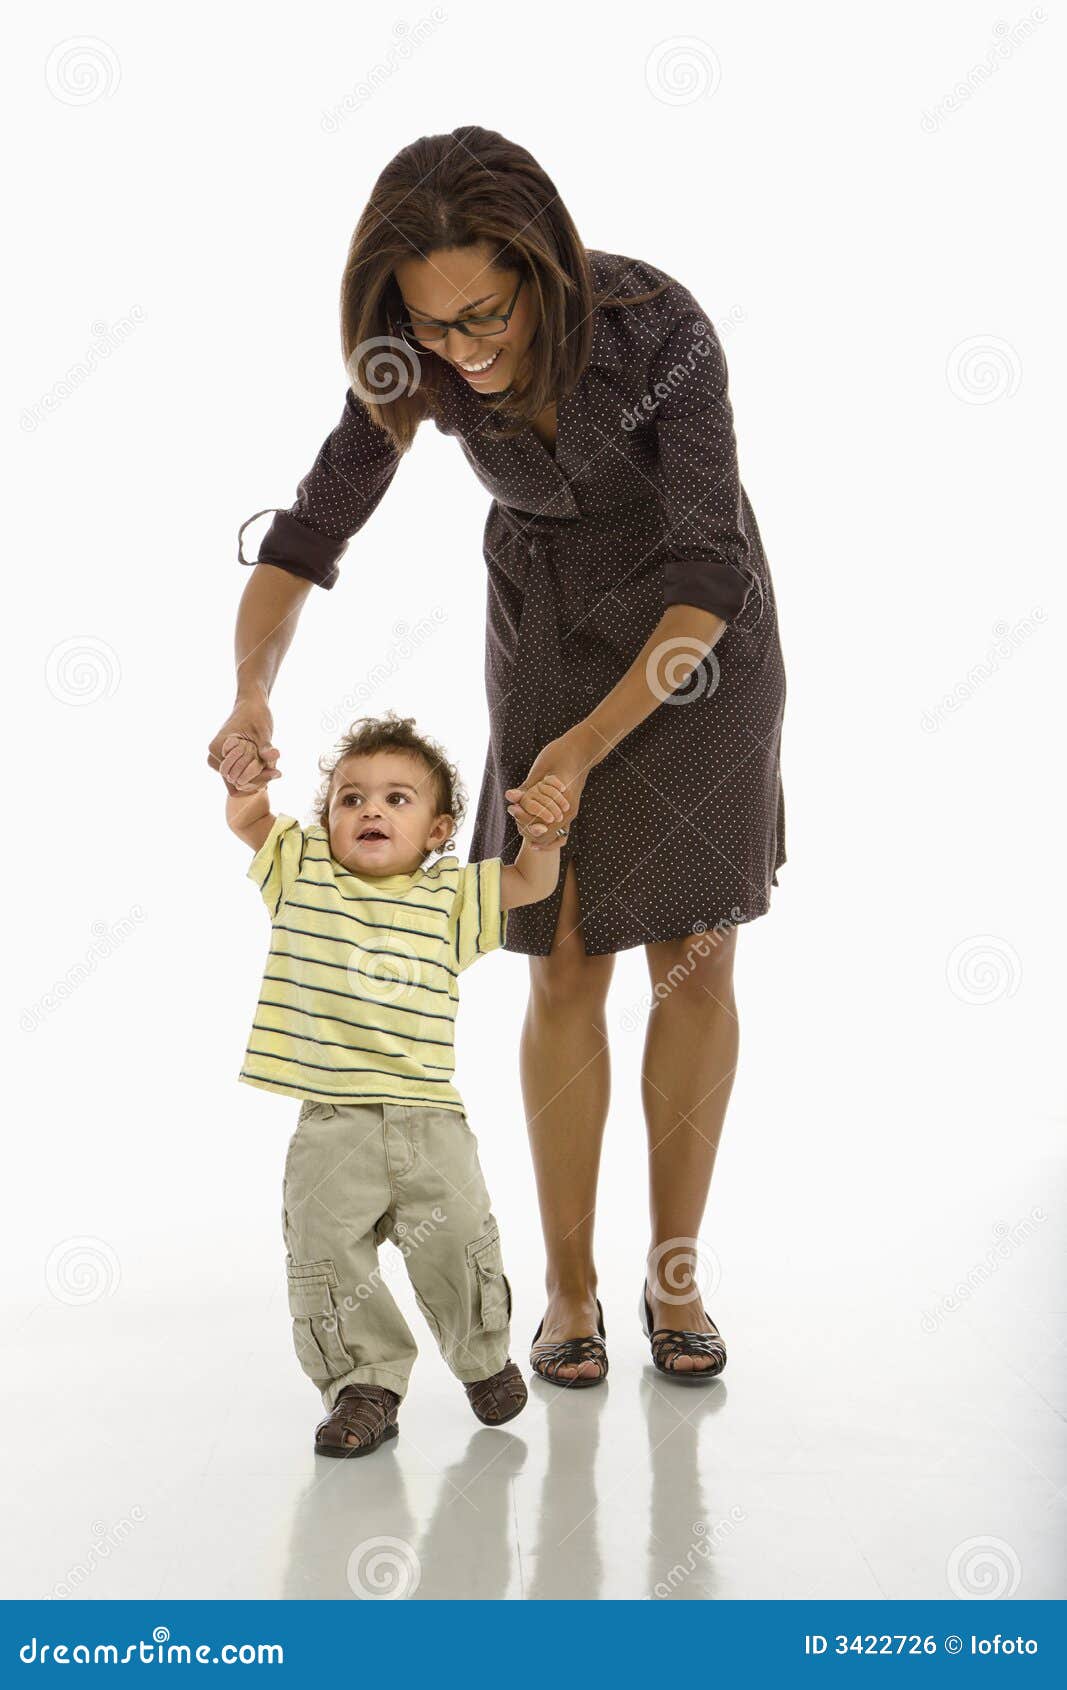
<point>879,253</point>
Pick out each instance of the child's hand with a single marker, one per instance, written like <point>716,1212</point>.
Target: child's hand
<point>240,762</point>
<point>539,807</point>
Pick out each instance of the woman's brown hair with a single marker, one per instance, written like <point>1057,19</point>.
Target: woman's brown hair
<point>457,190</point>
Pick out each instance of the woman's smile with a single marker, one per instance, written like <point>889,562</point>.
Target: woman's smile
<point>480,370</point>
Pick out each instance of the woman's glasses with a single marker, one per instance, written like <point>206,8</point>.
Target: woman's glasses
<point>430,329</point>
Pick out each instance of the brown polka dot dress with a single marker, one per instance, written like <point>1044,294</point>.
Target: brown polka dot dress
<point>682,826</point>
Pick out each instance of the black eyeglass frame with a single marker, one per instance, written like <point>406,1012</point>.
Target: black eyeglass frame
<point>407,329</point>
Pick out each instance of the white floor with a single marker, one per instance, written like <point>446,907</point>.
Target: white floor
<point>864,1442</point>
<point>884,1257</point>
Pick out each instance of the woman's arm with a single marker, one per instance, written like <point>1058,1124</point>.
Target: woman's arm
<point>266,622</point>
<point>681,639</point>
<point>302,548</point>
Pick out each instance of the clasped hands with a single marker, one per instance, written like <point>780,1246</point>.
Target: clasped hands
<point>544,806</point>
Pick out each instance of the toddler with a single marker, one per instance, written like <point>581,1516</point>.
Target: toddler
<point>355,1017</point>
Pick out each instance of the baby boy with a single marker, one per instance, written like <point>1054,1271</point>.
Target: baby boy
<point>355,1017</point>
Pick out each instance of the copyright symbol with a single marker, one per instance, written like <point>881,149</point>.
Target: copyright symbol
<point>953,1645</point>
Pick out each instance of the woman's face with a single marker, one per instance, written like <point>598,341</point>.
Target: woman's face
<point>462,282</point>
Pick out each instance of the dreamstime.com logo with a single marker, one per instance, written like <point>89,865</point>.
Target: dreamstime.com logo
<point>983,969</point>
<point>407,639</point>
<point>702,346</point>
<point>1007,1239</point>
<point>983,369</point>
<point>383,1569</point>
<point>82,670</point>
<point>679,670</point>
<point>681,1265</point>
<point>383,976</point>
<point>407,1240</point>
<point>705,1541</point>
<point>82,1270</point>
<point>157,1651</point>
<point>682,69</point>
<point>983,1567</point>
<point>107,937</point>
<point>106,1540</point>
<point>383,368</point>
<point>82,70</point>
<point>1007,38</point>
<point>408,37</point>
<point>704,943</point>
<point>106,340</point>
<point>1008,637</point>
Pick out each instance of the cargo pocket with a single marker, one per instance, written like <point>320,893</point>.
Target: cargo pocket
<point>492,1291</point>
<point>316,1327</point>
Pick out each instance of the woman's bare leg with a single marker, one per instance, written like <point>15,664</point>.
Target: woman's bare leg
<point>566,1084</point>
<point>687,1075</point>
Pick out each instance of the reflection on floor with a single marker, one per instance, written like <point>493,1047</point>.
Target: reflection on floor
<point>871,1452</point>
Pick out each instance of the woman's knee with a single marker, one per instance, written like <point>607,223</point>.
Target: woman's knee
<point>568,979</point>
<point>695,964</point>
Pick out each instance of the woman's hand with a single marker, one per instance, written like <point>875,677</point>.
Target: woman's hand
<point>242,750</point>
<point>568,758</point>
<point>541,810</point>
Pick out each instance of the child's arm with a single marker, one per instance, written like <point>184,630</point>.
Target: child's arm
<point>247,813</point>
<point>531,877</point>
<point>534,873</point>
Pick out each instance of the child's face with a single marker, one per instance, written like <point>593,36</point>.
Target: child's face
<point>383,813</point>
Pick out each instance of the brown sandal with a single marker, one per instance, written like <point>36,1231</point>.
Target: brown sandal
<point>367,1410</point>
<point>547,1359</point>
<point>498,1398</point>
<point>669,1342</point>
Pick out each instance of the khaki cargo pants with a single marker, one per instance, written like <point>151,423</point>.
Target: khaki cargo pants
<point>356,1175</point>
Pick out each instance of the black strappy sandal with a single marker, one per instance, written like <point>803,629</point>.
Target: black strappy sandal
<point>668,1342</point>
<point>571,1352</point>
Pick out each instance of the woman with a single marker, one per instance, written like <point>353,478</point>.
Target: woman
<point>632,649</point>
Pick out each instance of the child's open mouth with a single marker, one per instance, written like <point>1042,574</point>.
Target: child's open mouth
<point>371,835</point>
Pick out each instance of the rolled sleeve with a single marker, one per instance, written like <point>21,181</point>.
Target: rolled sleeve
<point>342,489</point>
<point>477,923</point>
<point>700,486</point>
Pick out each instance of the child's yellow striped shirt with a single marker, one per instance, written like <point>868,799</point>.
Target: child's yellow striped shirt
<point>360,989</point>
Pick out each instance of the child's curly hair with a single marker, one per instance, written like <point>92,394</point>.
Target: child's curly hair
<point>368,734</point>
